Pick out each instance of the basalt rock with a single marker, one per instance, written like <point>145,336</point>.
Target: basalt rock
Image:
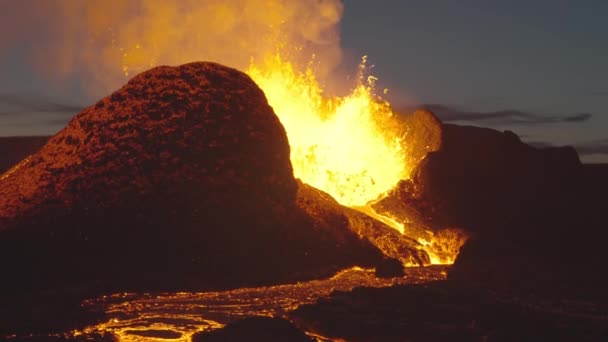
<point>390,268</point>
<point>181,179</point>
<point>480,175</point>
<point>534,215</point>
<point>517,201</point>
<point>329,213</point>
<point>441,311</point>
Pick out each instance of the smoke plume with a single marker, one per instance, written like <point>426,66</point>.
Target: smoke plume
<point>105,42</point>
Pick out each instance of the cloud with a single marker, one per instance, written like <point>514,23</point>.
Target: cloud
<point>506,116</point>
<point>103,43</point>
<point>577,117</point>
<point>27,103</point>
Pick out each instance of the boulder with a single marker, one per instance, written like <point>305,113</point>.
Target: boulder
<point>390,268</point>
<point>181,179</point>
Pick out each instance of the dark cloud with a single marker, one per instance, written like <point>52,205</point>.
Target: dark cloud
<point>577,117</point>
<point>507,116</point>
<point>24,103</point>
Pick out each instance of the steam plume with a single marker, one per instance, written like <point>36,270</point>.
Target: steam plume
<point>105,42</point>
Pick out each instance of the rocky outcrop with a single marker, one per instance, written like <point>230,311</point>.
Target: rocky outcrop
<point>328,212</point>
<point>181,179</point>
<point>390,268</point>
<point>480,172</point>
<point>423,136</point>
<point>443,240</point>
<point>476,174</point>
<point>516,201</point>
<point>533,214</point>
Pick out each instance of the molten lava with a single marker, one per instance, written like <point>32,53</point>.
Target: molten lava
<point>177,316</point>
<point>349,147</point>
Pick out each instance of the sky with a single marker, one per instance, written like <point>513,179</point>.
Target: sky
<point>538,68</point>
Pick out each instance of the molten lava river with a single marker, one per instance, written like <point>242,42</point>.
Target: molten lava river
<point>177,316</point>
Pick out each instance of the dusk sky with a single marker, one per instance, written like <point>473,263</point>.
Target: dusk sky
<point>538,68</point>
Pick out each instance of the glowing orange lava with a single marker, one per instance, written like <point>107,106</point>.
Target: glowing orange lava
<point>350,147</point>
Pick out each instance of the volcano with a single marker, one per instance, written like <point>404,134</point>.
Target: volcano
<point>182,181</point>
<point>179,180</point>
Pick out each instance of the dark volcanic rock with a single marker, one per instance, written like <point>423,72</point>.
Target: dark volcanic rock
<point>179,180</point>
<point>424,134</point>
<point>329,213</point>
<point>479,173</point>
<point>442,312</point>
<point>527,208</point>
<point>390,268</point>
<point>341,226</point>
<point>255,329</point>
<point>534,214</point>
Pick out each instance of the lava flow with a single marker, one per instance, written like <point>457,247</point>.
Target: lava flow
<point>177,316</point>
<point>352,147</point>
